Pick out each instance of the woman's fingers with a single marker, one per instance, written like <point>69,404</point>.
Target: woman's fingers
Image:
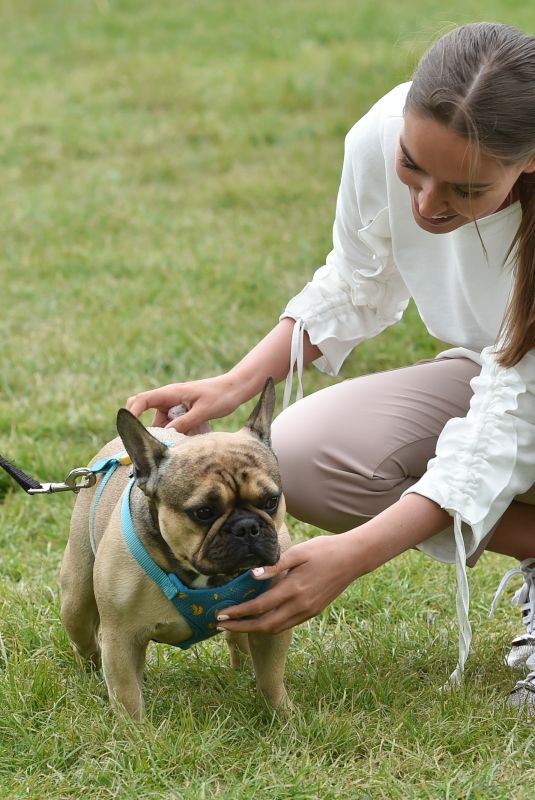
<point>311,574</point>
<point>288,560</point>
<point>282,590</point>
<point>262,604</point>
<point>187,422</point>
<point>273,622</point>
<point>160,420</point>
<point>160,399</point>
<point>283,605</point>
<point>210,398</point>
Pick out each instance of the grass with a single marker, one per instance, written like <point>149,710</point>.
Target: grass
<point>169,175</point>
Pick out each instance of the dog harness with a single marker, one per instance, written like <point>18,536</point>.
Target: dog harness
<point>199,607</point>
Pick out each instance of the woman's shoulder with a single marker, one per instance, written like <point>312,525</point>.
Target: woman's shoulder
<point>393,102</point>
<point>388,107</point>
<point>371,142</point>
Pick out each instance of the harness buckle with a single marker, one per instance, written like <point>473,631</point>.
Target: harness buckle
<point>80,478</point>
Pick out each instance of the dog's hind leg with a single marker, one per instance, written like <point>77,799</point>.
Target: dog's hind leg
<point>79,612</point>
<point>238,646</point>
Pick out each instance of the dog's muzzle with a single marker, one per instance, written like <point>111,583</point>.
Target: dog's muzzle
<point>244,541</point>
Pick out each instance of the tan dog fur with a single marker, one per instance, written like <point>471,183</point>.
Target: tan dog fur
<point>111,590</point>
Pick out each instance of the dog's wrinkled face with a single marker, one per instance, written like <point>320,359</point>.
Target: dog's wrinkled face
<point>216,497</point>
<point>219,503</point>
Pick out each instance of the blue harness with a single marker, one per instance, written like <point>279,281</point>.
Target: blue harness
<point>199,607</point>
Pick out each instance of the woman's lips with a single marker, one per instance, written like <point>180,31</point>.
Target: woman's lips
<point>439,219</point>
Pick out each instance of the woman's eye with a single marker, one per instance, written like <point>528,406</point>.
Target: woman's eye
<point>464,194</point>
<point>407,163</point>
<point>271,504</point>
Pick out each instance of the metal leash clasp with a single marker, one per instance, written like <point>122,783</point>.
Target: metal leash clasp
<point>80,478</point>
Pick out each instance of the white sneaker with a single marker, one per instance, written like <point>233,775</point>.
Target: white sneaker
<point>523,646</point>
<point>523,695</point>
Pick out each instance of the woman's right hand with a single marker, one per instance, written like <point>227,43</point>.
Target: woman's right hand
<point>213,398</point>
<point>204,400</point>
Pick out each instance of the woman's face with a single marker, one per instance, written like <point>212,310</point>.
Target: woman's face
<point>450,184</point>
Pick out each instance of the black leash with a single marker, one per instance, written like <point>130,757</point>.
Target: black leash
<point>17,474</point>
<point>81,478</point>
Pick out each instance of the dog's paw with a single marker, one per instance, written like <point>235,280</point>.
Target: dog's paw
<point>285,706</point>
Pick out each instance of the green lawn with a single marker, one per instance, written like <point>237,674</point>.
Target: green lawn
<point>169,173</point>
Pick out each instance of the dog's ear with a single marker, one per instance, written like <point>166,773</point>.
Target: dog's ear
<point>146,452</point>
<point>259,422</point>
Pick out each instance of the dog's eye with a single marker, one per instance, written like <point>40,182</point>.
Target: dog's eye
<point>271,504</point>
<point>204,514</point>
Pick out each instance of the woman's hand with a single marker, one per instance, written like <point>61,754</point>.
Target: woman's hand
<point>206,399</point>
<point>313,574</point>
<point>216,397</point>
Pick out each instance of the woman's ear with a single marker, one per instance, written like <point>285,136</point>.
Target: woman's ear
<point>530,166</point>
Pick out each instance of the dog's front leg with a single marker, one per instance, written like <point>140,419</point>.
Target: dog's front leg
<point>269,659</point>
<point>122,663</point>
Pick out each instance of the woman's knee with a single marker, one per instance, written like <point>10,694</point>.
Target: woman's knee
<point>351,450</point>
<point>322,484</point>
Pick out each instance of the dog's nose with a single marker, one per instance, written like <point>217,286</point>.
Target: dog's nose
<point>248,527</point>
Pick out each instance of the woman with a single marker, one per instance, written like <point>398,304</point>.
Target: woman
<point>437,203</point>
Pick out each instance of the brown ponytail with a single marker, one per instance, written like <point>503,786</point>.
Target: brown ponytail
<point>479,81</point>
<point>518,327</point>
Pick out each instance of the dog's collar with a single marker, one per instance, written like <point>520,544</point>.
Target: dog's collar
<point>199,607</point>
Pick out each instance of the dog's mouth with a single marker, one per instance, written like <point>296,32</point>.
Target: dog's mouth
<point>205,570</point>
<point>225,569</point>
<point>225,559</point>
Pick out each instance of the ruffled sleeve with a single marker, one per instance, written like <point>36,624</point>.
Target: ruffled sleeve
<point>359,291</point>
<point>487,458</point>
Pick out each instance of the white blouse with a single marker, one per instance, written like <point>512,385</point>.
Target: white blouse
<point>460,283</point>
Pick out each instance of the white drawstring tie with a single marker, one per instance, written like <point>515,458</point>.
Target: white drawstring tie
<point>462,602</point>
<point>296,363</point>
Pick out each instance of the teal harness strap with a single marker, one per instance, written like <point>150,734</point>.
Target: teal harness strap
<point>108,466</point>
<point>138,551</point>
<point>199,607</point>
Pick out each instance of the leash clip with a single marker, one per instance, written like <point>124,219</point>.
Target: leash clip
<point>80,478</point>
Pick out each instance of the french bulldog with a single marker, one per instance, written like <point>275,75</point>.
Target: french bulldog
<point>205,508</point>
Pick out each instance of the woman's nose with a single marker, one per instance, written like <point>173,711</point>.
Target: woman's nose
<point>431,202</point>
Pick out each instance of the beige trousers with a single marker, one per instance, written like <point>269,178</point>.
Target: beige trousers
<point>349,451</point>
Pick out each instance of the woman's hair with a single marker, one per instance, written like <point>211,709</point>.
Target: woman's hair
<point>479,81</point>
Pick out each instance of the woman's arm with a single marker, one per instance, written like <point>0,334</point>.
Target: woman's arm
<point>270,358</point>
<point>320,569</point>
<point>216,397</point>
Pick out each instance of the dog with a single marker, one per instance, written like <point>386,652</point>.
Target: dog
<point>206,509</point>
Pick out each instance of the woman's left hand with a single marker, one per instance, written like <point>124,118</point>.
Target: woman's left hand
<point>311,574</point>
